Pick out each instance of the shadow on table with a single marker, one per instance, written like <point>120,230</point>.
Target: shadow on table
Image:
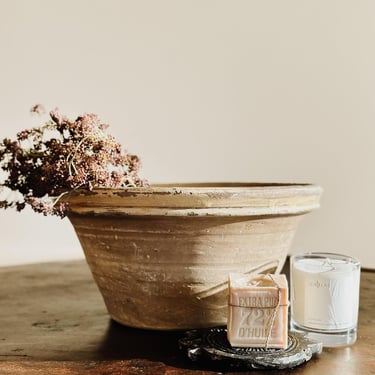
<point>124,343</point>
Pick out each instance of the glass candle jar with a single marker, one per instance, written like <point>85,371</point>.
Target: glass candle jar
<point>325,297</point>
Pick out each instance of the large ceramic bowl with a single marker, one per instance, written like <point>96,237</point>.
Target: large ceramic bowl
<point>161,255</point>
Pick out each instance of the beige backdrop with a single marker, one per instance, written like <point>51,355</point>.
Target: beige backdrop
<point>205,90</point>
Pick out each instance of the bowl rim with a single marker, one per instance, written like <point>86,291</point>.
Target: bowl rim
<point>199,199</point>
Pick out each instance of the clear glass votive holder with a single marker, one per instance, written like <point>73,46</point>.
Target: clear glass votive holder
<point>325,297</point>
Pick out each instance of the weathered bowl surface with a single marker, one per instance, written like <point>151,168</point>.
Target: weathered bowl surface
<point>161,256</point>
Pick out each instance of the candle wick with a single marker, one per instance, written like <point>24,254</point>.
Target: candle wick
<point>327,262</point>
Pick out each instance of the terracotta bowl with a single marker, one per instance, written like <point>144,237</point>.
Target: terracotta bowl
<point>161,255</point>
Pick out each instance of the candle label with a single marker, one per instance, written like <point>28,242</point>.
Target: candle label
<point>337,297</point>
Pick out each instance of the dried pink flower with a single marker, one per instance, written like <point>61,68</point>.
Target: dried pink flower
<point>46,162</point>
<point>38,109</point>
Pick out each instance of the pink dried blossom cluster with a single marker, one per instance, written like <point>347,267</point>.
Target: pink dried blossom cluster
<point>45,163</point>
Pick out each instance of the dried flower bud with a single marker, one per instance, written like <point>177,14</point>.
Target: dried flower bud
<point>38,109</point>
<point>62,155</point>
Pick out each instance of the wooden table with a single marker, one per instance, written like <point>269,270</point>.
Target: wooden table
<point>53,321</point>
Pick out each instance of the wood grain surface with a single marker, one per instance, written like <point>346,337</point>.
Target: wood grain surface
<point>53,321</point>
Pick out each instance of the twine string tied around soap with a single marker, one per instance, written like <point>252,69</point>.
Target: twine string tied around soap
<point>275,308</point>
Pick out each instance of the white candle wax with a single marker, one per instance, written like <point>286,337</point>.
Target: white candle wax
<point>325,293</point>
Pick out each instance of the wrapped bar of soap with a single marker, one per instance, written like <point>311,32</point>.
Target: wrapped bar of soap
<point>258,311</point>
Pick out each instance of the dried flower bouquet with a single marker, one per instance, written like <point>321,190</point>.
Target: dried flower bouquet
<point>44,163</point>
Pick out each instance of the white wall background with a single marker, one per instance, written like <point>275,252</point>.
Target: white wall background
<point>204,90</point>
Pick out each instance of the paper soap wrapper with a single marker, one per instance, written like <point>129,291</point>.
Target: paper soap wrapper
<point>258,311</point>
